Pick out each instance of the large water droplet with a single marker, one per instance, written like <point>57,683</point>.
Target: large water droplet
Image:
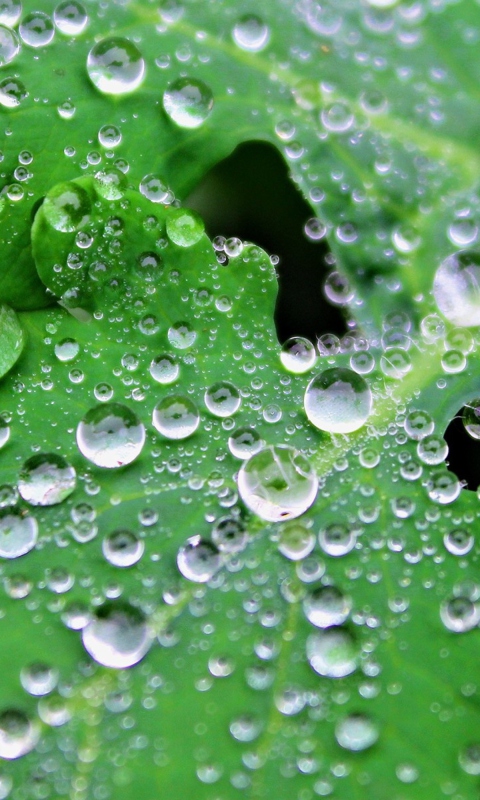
<point>338,401</point>
<point>222,399</point>
<point>460,614</point>
<point>10,12</point>
<point>39,679</point>
<point>12,92</point>
<point>298,355</point>
<point>332,653</point>
<point>184,227</point>
<point>459,541</point>
<point>70,18</point>
<point>176,417</point>
<point>110,435</point>
<point>67,207</point>
<point>36,29</point>
<point>198,559</point>
<point>188,102</point>
<point>326,606</point>
<point>115,66</point>
<point>122,548</point>
<point>18,734</point>
<point>456,288</point>
<point>18,533</point>
<point>250,33</point>
<point>356,732</point>
<point>46,479</point>
<point>9,45</point>
<point>277,483</point>
<point>164,369</point>
<point>181,335</point>
<point>118,636</point>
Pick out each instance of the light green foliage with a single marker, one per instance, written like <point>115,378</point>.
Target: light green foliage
<point>256,658</point>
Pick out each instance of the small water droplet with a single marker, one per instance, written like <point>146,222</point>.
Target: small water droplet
<point>471,418</point>
<point>110,183</point>
<point>356,732</point>
<point>18,734</point>
<point>337,539</point>
<point>326,606</point>
<point>118,636</point>
<point>250,33</point>
<point>110,435</point>
<point>295,541</point>
<point>229,535</point>
<point>459,541</point>
<point>460,614</point>
<point>222,399</point>
<point>39,679</point>
<point>245,442</point>
<point>332,653</point>
<point>122,548</point>
<point>184,227</point>
<point>176,417</point>
<point>198,559</point>
<point>469,759</point>
<point>298,355</point>
<point>188,102</point>
<point>109,136</point>
<point>181,335</point>
<point>164,369</point>
<point>154,189</point>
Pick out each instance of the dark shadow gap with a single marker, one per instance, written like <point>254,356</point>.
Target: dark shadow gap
<point>250,195</point>
<point>463,453</point>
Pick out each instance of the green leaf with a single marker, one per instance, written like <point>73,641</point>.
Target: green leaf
<point>333,653</point>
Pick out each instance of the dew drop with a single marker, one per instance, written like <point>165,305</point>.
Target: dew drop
<point>164,369</point>
<point>110,435</point>
<point>184,227</point>
<point>332,653</point>
<point>459,542</point>
<point>36,29</point>
<point>356,732</point>
<point>418,425</point>
<point>4,437</point>
<point>250,33</point>
<point>469,759</point>
<point>338,400</point>
<point>229,535</point>
<point>67,207</point>
<point>70,18</point>
<point>460,614</point>
<point>277,483</point>
<point>443,487</point>
<point>188,102</point>
<point>122,548</point>
<point>245,728</point>
<point>110,183</point>
<point>39,679</point>
<point>10,12</point>
<point>298,355</point>
<point>46,479</point>
<point>176,417</point>
<point>198,559</point>
<point>456,288</point>
<point>115,66</point>
<point>18,533</point>
<point>326,606</point>
<point>18,734</point>
<point>154,189</point>
<point>222,399</point>
<point>117,637</point>
<point>471,418</point>
<point>109,136</point>
<point>295,541</point>
<point>337,540</point>
<point>337,117</point>
<point>9,45</point>
<point>12,92</point>
<point>245,442</point>
<point>67,349</point>
<point>181,335</point>
<point>432,450</point>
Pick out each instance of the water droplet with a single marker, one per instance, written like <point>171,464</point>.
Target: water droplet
<point>338,401</point>
<point>250,33</point>
<point>277,483</point>
<point>176,417</point>
<point>181,335</point>
<point>369,458</point>
<point>229,535</point>
<point>459,542</point>
<point>198,559</point>
<point>315,229</point>
<point>245,442</point>
<point>118,636</point>
<point>109,136</point>
<point>453,361</point>
<point>110,435</point>
<point>337,117</point>
<point>463,231</point>
<point>4,437</point>
<point>326,606</point>
<point>6,785</point>
<point>332,653</point>
<point>295,541</point>
<point>298,355</point>
<point>70,18</point>
<point>18,734</point>
<point>456,288</point>
<point>471,418</point>
<point>18,533</point>
<point>188,102</point>
<point>67,349</point>
<point>406,773</point>
<point>115,66</point>
<point>10,12</point>
<point>164,369</point>
<point>67,207</point>
<point>443,487</point>
<point>154,189</point>
<point>432,450</point>
<point>36,29</point>
<point>9,45</point>
<point>460,614</point>
<point>12,92</point>
<point>469,759</point>
<point>39,679</point>
<point>395,363</point>
<point>222,399</point>
<point>418,425</point>
<point>246,728</point>
<point>362,362</point>
<point>356,732</point>
<point>184,227</point>
<point>337,540</point>
<point>110,183</point>
<point>46,479</point>
<point>122,548</point>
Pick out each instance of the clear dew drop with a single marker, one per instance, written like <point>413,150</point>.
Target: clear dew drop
<point>181,335</point>
<point>229,535</point>
<point>39,679</point>
<point>458,541</point>
<point>184,227</point>
<point>18,533</point>
<point>176,417</point>
<point>250,33</point>
<point>164,369</point>
<point>337,540</point>
<point>122,548</point>
<point>463,231</point>
<point>337,117</point>
<point>188,102</point>
<point>110,435</point>
<point>469,759</point>
<point>118,636</point>
<point>326,606</point>
<point>277,483</point>
<point>67,207</point>
<point>222,399</point>
<point>10,12</point>
<point>115,66</point>
<point>432,450</point>
<point>245,442</point>
<point>109,136</point>
<point>443,487</point>
<point>418,425</point>
<point>6,786</point>
<point>46,479</point>
<point>154,189</point>
<point>460,614</point>
<point>456,288</point>
<point>67,349</point>
<point>70,18</point>
<point>332,653</point>
<point>12,92</point>
<point>198,559</point>
<point>9,45</point>
<point>356,732</point>
<point>110,183</point>
<point>338,400</point>
<point>295,541</point>
<point>18,734</point>
<point>246,728</point>
<point>298,355</point>
<point>471,418</point>
<point>37,29</point>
